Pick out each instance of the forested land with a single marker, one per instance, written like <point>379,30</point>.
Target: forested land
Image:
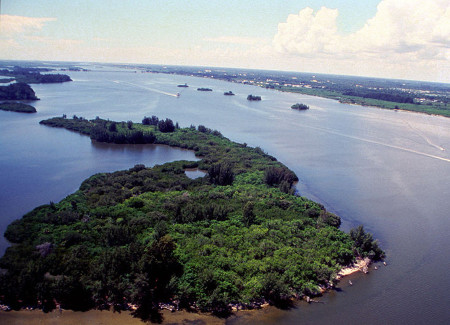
<point>17,91</point>
<point>17,107</point>
<point>30,76</point>
<point>146,236</point>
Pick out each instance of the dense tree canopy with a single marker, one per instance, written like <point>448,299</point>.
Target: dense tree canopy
<point>17,91</point>
<point>150,235</point>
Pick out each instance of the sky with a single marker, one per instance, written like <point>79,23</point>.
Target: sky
<point>403,39</point>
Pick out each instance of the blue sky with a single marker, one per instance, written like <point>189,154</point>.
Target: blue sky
<point>383,38</point>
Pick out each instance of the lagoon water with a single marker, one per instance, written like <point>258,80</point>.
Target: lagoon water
<point>389,171</point>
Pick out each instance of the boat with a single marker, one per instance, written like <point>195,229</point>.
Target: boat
<point>183,86</point>
<point>178,94</point>
<point>204,89</point>
<point>228,93</point>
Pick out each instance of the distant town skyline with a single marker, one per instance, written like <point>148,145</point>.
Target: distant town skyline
<point>403,39</point>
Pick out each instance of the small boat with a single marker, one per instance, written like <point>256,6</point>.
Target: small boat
<point>228,93</point>
<point>178,94</point>
<point>350,282</point>
<point>183,86</point>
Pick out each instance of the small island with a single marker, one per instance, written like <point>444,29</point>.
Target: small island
<point>17,107</point>
<point>204,89</point>
<point>300,106</point>
<point>149,238</point>
<point>251,97</point>
<point>17,91</point>
<point>228,93</point>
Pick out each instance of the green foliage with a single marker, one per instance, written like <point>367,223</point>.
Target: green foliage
<point>364,245</point>
<point>17,91</point>
<point>151,235</point>
<point>166,126</point>
<point>221,174</point>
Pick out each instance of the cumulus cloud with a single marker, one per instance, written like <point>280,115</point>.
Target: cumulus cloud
<point>11,25</point>
<point>400,28</point>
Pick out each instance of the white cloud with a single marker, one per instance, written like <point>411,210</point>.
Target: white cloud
<point>308,34</point>
<point>407,32</point>
<point>11,25</point>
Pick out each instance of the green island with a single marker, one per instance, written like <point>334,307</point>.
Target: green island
<point>17,91</point>
<point>149,238</point>
<point>17,107</point>
<point>299,106</point>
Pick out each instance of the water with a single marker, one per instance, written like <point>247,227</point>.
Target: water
<point>389,171</point>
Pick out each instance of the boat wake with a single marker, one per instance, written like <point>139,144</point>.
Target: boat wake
<point>147,88</point>
<point>425,138</point>
<point>382,143</point>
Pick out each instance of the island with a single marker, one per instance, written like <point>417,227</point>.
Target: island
<point>17,107</point>
<point>251,97</point>
<point>228,93</point>
<point>33,75</point>
<point>299,106</point>
<point>17,91</point>
<point>149,238</point>
<point>204,89</point>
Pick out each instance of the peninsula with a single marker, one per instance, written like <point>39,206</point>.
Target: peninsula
<point>145,238</point>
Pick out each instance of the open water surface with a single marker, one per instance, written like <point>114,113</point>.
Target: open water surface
<point>389,171</point>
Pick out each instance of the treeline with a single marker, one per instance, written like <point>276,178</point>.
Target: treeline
<point>391,97</point>
<point>17,91</point>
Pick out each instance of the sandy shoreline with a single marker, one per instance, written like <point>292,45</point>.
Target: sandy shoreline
<point>360,265</point>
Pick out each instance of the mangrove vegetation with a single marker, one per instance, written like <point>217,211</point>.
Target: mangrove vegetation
<point>145,236</point>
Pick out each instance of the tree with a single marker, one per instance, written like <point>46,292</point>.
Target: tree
<point>248,216</point>
<point>166,126</point>
<point>221,174</point>
<point>112,127</point>
<point>130,125</point>
<point>364,244</point>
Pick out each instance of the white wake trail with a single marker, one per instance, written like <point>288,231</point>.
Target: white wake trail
<point>147,88</point>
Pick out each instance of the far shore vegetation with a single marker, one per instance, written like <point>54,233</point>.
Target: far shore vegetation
<point>410,95</point>
<point>140,238</point>
<point>353,98</point>
<point>17,107</point>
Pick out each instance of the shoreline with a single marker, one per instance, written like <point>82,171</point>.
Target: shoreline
<point>168,315</point>
<point>360,265</point>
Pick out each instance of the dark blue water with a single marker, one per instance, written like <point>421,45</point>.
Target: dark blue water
<point>387,170</point>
